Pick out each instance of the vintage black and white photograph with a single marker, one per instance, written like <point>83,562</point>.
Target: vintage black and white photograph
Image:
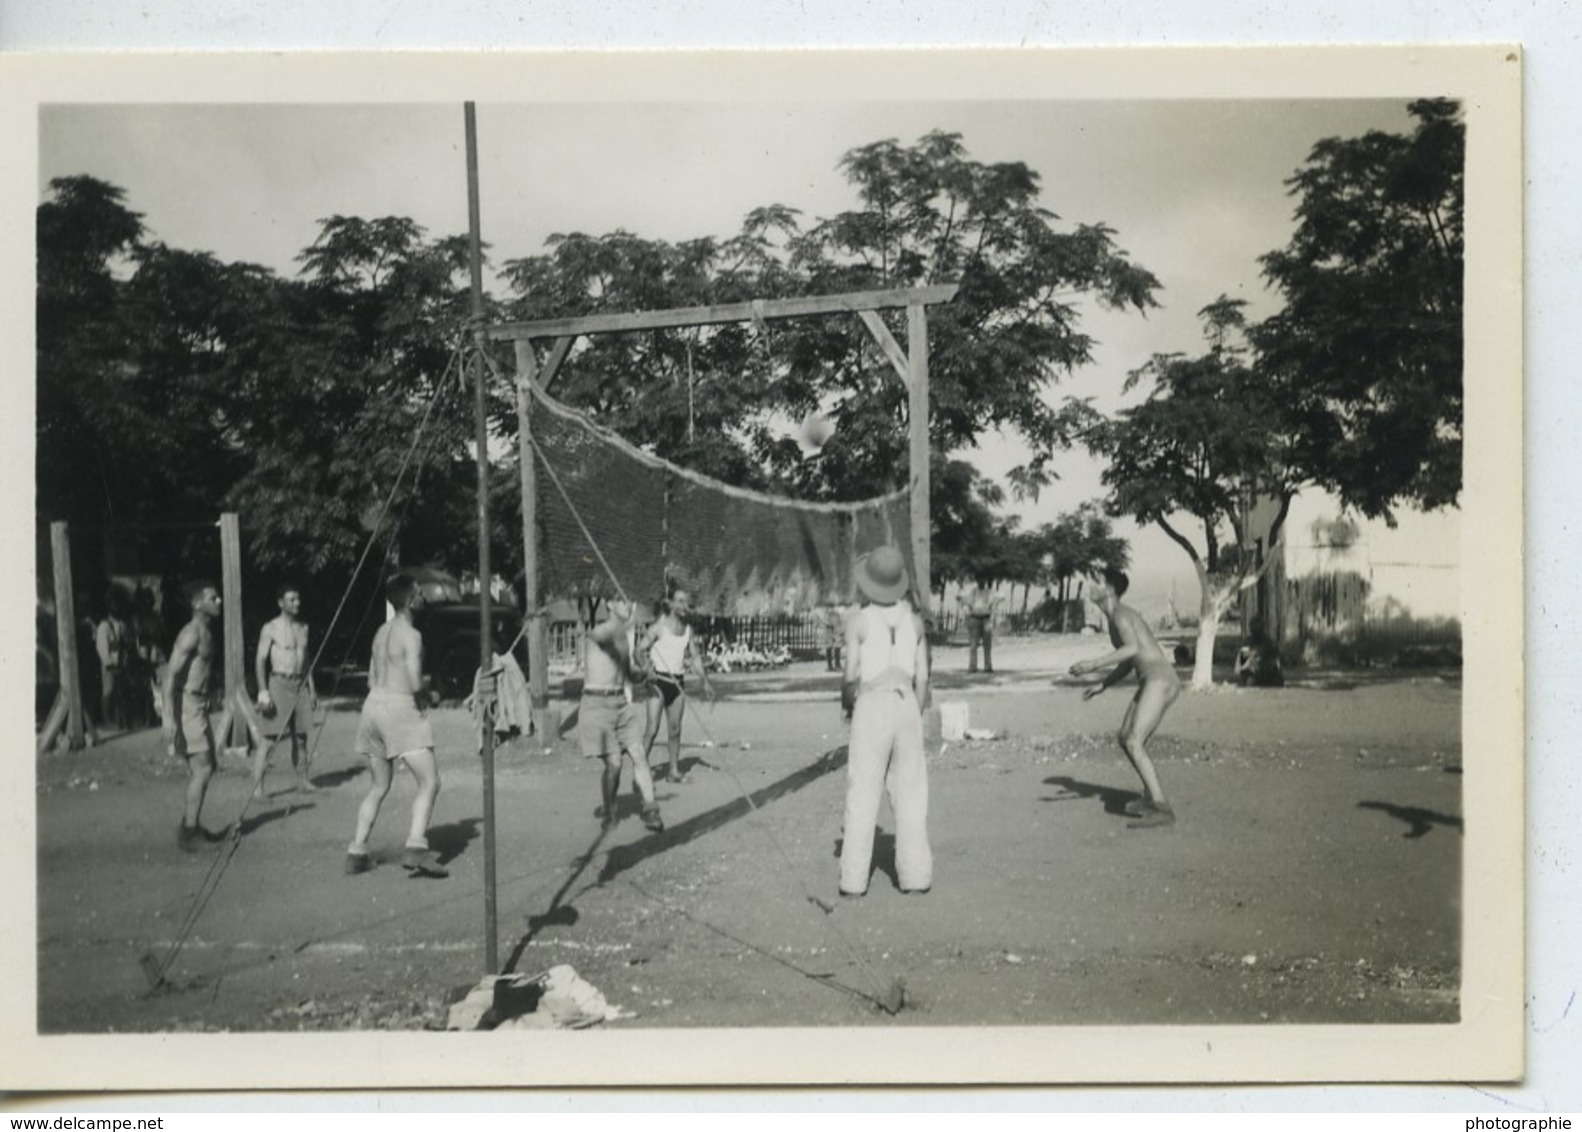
<point>744,557</point>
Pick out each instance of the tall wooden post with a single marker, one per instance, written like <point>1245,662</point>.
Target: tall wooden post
<point>233,732</point>
<point>917,427</point>
<point>537,628</point>
<point>66,634</point>
<point>491,961</point>
<point>238,724</point>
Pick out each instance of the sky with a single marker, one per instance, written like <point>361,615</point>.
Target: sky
<point>1195,191</point>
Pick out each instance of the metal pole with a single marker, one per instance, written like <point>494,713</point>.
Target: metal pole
<point>491,951</point>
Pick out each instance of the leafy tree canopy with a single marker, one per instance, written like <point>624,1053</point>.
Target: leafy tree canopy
<point>173,385</point>
<point>927,213</point>
<point>1367,351</point>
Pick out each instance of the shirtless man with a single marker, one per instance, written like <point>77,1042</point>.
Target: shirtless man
<point>285,685</point>
<point>186,690</point>
<point>1158,686</point>
<point>672,651</point>
<point>395,725</point>
<point>609,722</point>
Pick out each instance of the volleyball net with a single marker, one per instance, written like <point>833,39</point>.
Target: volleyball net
<point>617,520</point>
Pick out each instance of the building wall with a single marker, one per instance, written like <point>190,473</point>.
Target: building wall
<point>1363,590</point>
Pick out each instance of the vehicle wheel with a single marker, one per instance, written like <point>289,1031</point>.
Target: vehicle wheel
<point>453,676</point>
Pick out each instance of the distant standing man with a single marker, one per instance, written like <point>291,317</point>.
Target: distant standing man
<point>285,684</point>
<point>395,725</point>
<point>884,690</point>
<point>186,690</point>
<point>112,640</point>
<point>980,627</point>
<point>609,723</point>
<point>149,633</point>
<point>672,653</point>
<point>1158,686</point>
<point>831,623</point>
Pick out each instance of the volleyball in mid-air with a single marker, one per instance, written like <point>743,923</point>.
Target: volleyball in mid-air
<point>816,430</point>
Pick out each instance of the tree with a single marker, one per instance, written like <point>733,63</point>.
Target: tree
<point>1018,558</point>
<point>356,376</point>
<point>85,230</point>
<point>961,504</point>
<point>1367,352</point>
<point>173,385</point>
<point>1081,542</point>
<point>926,213</point>
<point>1211,436</point>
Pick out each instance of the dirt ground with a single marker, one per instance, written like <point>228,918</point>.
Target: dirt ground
<point>1313,877</point>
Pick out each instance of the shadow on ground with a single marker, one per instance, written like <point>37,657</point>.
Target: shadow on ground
<point>1114,798</point>
<point>562,911</point>
<point>883,857</point>
<point>450,840</point>
<point>1419,821</point>
<point>624,857</point>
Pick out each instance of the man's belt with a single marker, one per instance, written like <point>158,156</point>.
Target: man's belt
<point>604,691</point>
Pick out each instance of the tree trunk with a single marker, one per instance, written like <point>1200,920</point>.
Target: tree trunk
<point>1207,631</point>
<point>1209,606</point>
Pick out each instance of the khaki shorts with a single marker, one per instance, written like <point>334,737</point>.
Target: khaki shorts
<point>194,735</point>
<point>608,725</point>
<point>392,726</point>
<point>293,704</point>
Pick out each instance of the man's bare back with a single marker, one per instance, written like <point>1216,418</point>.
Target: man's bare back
<point>192,660</point>
<point>397,662</point>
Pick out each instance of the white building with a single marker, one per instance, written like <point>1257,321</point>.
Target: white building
<point>1359,590</point>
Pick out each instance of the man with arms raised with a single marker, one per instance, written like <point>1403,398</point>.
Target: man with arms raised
<point>186,690</point>
<point>1158,686</point>
<point>395,726</point>
<point>609,722</point>
<point>285,686</point>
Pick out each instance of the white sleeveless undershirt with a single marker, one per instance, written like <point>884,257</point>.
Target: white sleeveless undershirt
<point>668,653</point>
<point>888,654</point>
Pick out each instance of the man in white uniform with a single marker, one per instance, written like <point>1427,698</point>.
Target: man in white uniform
<point>885,689</point>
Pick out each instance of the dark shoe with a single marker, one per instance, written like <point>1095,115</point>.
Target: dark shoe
<point>215,834</point>
<point>917,891</point>
<point>423,863</point>
<point>1138,807</point>
<point>854,895</point>
<point>1159,814</point>
<point>188,838</point>
<point>357,863</point>
<point>652,821</point>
